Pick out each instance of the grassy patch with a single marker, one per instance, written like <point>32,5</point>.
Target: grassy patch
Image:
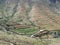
<point>28,31</point>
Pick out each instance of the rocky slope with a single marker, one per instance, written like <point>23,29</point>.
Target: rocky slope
<point>42,13</point>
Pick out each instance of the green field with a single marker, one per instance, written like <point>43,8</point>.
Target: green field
<point>27,31</point>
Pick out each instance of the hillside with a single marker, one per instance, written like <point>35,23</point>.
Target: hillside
<point>19,19</point>
<point>44,14</point>
<point>14,39</point>
<point>44,17</point>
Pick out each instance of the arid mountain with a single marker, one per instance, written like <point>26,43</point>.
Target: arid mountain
<point>42,13</point>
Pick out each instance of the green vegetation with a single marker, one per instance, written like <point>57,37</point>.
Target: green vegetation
<point>27,31</point>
